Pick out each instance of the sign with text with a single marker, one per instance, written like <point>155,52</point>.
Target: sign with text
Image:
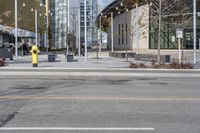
<point>179,33</point>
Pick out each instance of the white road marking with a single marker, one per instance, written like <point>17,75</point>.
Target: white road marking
<point>108,98</point>
<point>76,129</point>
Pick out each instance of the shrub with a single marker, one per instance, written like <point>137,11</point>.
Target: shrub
<point>133,65</point>
<point>173,65</point>
<point>2,63</point>
<point>141,65</point>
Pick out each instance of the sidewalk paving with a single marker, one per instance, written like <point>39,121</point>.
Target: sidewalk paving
<point>104,61</point>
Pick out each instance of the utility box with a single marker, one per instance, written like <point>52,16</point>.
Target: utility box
<point>70,57</point>
<point>6,53</point>
<point>52,57</point>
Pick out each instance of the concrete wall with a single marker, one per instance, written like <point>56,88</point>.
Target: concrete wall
<point>130,38</point>
<point>143,27</point>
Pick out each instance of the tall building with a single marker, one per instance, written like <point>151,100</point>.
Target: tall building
<point>58,23</point>
<point>91,16</point>
<point>61,34</point>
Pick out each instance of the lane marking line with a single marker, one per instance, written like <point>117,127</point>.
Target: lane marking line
<point>77,129</point>
<point>100,98</point>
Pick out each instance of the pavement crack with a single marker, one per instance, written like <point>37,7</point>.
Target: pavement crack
<point>5,118</point>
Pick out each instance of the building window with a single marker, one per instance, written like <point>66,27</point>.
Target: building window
<point>82,23</point>
<point>119,33</point>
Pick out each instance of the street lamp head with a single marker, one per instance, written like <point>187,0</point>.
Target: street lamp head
<point>24,4</point>
<point>117,8</point>
<point>32,9</point>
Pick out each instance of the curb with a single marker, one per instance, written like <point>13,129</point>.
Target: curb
<point>46,69</point>
<point>98,72</point>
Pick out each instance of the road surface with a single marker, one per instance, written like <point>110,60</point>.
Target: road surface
<point>75,104</point>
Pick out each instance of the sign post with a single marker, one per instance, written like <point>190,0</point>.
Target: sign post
<point>179,35</point>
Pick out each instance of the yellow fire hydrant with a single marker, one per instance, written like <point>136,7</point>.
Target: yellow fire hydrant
<point>35,52</point>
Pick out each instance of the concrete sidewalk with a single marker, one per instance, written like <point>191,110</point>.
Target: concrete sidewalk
<point>104,61</point>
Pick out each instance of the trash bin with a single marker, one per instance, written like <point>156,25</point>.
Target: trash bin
<point>6,53</point>
<point>52,57</point>
<point>167,58</point>
<point>70,57</point>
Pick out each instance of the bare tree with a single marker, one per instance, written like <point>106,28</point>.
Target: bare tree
<point>166,16</point>
<point>73,29</point>
<point>4,14</point>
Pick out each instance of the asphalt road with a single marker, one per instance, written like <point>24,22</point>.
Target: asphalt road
<point>63,104</point>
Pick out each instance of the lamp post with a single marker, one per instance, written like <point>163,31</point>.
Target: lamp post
<point>112,46</point>
<point>16,31</point>
<point>100,40</point>
<point>194,31</point>
<point>85,28</point>
<point>47,24</point>
<point>79,34</point>
<point>67,27</point>
<point>36,27</point>
<point>137,29</point>
<point>159,32</point>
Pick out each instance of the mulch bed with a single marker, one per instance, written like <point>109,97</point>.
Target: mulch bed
<point>172,65</point>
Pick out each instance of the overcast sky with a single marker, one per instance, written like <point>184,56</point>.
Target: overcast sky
<point>104,3</point>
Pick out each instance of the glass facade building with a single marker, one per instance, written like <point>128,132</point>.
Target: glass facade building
<point>177,15</point>
<point>91,17</point>
<point>59,21</point>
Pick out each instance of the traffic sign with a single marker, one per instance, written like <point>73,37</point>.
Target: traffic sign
<point>179,33</point>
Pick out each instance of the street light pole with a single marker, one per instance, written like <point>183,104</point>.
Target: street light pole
<point>36,24</point>
<point>47,24</point>
<point>67,27</point>
<point>79,34</point>
<point>159,32</point>
<point>137,29</point>
<point>85,27</point>
<point>112,46</point>
<point>100,42</point>
<point>194,30</point>
<point>16,31</point>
